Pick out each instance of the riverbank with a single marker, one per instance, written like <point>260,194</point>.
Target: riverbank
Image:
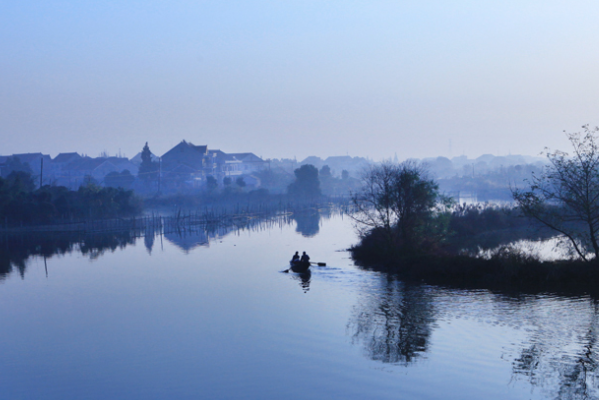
<point>507,270</point>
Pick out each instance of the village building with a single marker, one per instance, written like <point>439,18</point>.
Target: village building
<point>136,159</point>
<point>188,164</point>
<point>184,166</point>
<point>249,162</point>
<point>72,170</point>
<point>33,160</point>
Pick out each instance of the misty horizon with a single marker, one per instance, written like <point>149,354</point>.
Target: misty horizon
<point>297,79</point>
<point>393,158</point>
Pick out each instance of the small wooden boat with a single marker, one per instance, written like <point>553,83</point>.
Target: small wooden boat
<point>299,266</point>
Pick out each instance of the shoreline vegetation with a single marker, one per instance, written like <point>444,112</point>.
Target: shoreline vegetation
<point>477,253</point>
<point>483,259</point>
<point>408,228</point>
<point>462,262</point>
<point>95,208</point>
<point>507,272</point>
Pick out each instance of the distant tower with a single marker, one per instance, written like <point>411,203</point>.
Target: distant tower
<point>395,159</point>
<point>450,149</point>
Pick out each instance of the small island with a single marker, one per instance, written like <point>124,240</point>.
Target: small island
<point>408,227</point>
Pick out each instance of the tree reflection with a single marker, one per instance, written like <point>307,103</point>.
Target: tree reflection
<point>566,369</point>
<point>16,250</point>
<point>395,325</point>
<point>307,222</point>
<point>149,240</point>
<point>575,377</point>
<point>528,363</point>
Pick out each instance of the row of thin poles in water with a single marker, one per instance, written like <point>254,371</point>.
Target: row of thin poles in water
<point>185,220</point>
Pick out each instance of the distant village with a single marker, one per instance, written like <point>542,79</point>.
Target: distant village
<point>188,167</point>
<point>184,164</point>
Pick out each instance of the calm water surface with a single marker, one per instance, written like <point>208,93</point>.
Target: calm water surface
<point>176,317</point>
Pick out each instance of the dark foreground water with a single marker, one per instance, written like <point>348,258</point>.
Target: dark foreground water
<point>190,320</point>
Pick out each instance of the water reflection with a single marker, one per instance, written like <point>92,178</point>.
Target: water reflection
<point>16,249</point>
<point>188,240</point>
<point>553,338</point>
<point>149,240</point>
<point>394,325</point>
<point>561,355</point>
<point>191,237</point>
<point>307,222</point>
<point>304,279</point>
<point>547,342</point>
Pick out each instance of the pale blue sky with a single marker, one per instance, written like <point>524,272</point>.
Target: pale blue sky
<point>297,78</point>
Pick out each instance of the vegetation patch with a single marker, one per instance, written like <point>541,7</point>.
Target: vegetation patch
<point>408,228</point>
<point>21,203</point>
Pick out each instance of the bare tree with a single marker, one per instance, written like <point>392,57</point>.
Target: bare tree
<point>373,202</point>
<point>565,196</point>
<point>397,199</point>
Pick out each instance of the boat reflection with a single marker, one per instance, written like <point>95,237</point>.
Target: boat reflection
<point>304,279</point>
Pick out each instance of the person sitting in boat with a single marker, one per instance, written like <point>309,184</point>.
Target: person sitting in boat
<point>305,258</point>
<point>295,257</point>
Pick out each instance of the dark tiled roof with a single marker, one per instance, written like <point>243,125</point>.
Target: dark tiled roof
<point>86,164</point>
<point>183,146</point>
<point>118,160</point>
<point>185,153</point>
<point>30,157</point>
<point>221,156</point>
<point>246,157</point>
<point>66,157</point>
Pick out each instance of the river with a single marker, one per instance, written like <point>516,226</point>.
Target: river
<point>210,315</point>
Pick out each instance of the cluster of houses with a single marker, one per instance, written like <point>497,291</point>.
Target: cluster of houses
<point>184,166</point>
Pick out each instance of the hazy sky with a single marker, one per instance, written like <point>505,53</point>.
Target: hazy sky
<point>297,78</point>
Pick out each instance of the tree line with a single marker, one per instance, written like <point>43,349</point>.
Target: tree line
<point>21,202</point>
